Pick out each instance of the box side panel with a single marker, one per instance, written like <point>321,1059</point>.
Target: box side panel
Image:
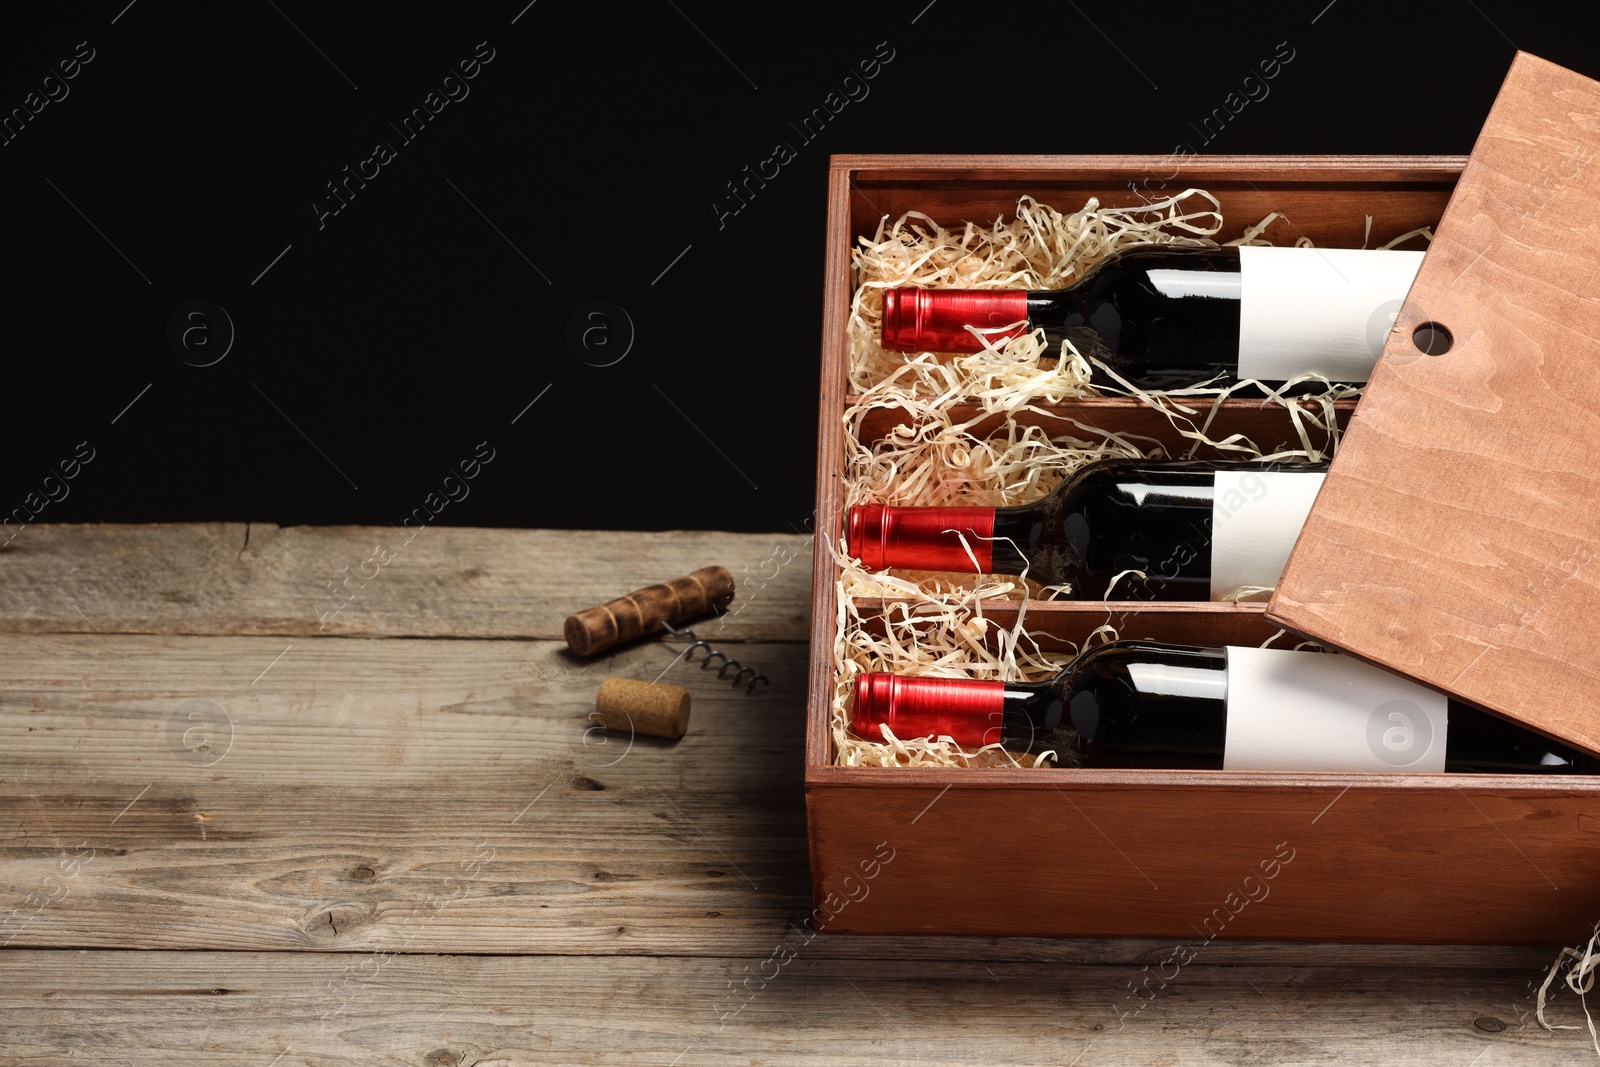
<point>1325,198</point>
<point>1194,864</point>
<point>830,472</point>
<point>830,465</point>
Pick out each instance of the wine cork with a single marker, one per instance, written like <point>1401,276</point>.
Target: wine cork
<point>642,707</point>
<point>644,610</point>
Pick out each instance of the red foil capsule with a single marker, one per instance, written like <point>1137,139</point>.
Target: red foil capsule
<point>966,711</point>
<point>922,538</point>
<point>936,320</point>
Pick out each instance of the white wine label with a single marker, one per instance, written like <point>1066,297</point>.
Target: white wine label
<point>1312,711</point>
<point>1255,517</point>
<point>1318,310</point>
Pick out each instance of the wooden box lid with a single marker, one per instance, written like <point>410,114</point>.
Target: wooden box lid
<point>1457,536</point>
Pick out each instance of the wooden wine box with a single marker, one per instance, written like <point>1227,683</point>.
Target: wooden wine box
<point>1455,540</point>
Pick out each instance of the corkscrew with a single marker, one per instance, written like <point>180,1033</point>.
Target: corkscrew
<point>739,669</point>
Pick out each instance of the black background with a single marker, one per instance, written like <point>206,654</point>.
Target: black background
<point>382,347</point>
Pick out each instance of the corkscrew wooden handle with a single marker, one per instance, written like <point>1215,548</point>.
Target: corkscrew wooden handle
<point>643,611</point>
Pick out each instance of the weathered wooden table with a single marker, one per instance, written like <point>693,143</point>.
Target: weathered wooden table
<point>245,822</point>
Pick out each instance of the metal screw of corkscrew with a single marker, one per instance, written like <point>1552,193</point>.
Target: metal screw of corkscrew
<point>726,665</point>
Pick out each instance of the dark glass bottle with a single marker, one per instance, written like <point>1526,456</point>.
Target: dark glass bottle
<point>1106,518</point>
<point>1144,704</point>
<point>1165,317</point>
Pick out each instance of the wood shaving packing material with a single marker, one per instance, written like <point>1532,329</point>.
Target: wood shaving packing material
<point>934,460</point>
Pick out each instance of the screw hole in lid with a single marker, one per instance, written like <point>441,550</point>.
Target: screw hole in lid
<point>1432,339</point>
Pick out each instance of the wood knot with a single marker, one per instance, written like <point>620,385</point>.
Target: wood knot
<point>363,873</point>
<point>590,784</point>
<point>1488,1024</point>
<point>443,1057</point>
<point>335,920</point>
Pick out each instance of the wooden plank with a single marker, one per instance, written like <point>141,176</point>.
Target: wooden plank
<point>830,455</point>
<point>356,777</point>
<point>362,775</point>
<point>1062,626</point>
<point>1455,538</point>
<point>1201,855</point>
<point>1091,419</point>
<point>230,578</point>
<point>451,1011</point>
<point>1325,196</point>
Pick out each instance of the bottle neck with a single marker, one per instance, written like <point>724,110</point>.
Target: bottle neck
<point>1148,704</point>
<point>1483,743</point>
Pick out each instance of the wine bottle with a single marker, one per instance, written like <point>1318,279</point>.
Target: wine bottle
<point>1146,704</point>
<point>1166,316</point>
<point>1197,529</point>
